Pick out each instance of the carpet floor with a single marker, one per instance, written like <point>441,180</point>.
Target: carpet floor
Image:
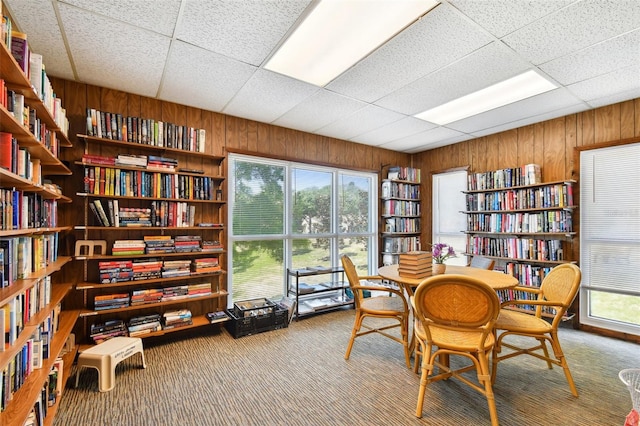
<point>298,376</point>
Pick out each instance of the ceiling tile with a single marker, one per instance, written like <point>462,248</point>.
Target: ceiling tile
<point>422,141</point>
<point>615,98</point>
<point>105,50</point>
<point>319,110</point>
<point>573,109</point>
<point>34,15</point>
<point>267,95</point>
<point>159,15</point>
<point>502,17</point>
<point>362,121</point>
<point>619,81</point>
<point>397,130</point>
<point>575,27</point>
<point>545,102</point>
<point>246,30</point>
<point>602,58</point>
<point>482,68</point>
<point>436,40</point>
<point>205,89</point>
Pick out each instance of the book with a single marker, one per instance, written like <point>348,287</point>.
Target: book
<point>104,219</point>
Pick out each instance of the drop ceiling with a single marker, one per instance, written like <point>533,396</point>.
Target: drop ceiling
<point>210,54</point>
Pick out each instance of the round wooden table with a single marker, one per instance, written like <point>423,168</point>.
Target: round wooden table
<point>497,280</point>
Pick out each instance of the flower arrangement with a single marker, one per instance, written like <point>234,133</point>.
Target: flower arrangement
<point>441,252</point>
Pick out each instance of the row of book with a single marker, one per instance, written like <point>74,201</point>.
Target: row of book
<point>26,210</point>
<point>154,244</point>
<point>528,174</point>
<point>19,310</point>
<point>140,325</point>
<point>32,66</point>
<point>517,248</point>
<point>401,208</point>
<point>402,225</point>
<point>556,195</point>
<point>128,270</point>
<point>151,162</point>
<point>548,221</point>
<point>28,359</point>
<point>173,214</point>
<point>404,173</point>
<point>18,160</point>
<point>115,126</point>
<point>149,296</point>
<point>149,184</point>
<point>400,244</point>
<point>22,256</point>
<point>391,189</point>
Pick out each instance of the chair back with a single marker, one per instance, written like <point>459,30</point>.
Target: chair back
<point>560,287</point>
<point>456,302</point>
<point>482,262</point>
<point>352,276</point>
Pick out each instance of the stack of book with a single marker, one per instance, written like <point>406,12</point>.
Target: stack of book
<point>131,160</point>
<point>101,332</point>
<point>175,293</point>
<point>145,296</point>
<point>211,246</point>
<point>205,265</point>
<point>144,325</point>
<point>111,301</point>
<point>159,244</point>
<point>147,269</point>
<point>164,164</point>
<point>115,271</point>
<point>176,268</point>
<point>187,243</point>
<point>175,319</point>
<point>134,217</point>
<point>199,290</point>
<point>128,247</point>
<point>217,316</point>
<point>415,264</point>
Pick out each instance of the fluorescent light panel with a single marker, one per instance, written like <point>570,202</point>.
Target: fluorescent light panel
<point>339,33</point>
<point>515,89</point>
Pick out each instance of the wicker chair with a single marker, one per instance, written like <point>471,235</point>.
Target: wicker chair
<point>482,262</point>
<point>455,315</point>
<point>557,291</point>
<point>393,305</point>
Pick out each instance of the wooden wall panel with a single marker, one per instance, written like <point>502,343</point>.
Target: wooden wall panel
<point>252,136</point>
<point>113,101</point>
<point>607,123</point>
<point>588,127</point>
<point>553,151</point>
<point>627,113</point>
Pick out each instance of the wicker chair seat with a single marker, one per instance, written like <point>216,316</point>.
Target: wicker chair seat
<point>383,305</point>
<point>521,322</point>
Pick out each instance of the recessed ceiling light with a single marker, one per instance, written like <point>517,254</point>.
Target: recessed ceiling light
<point>520,87</point>
<point>339,33</point>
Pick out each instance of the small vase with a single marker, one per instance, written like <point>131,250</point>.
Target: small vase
<point>438,269</point>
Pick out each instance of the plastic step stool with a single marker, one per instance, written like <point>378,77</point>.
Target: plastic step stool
<point>105,356</point>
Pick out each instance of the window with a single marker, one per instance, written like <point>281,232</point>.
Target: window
<point>288,214</point>
<point>449,222</point>
<point>610,238</point>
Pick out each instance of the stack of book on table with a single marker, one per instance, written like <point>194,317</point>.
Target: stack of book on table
<point>415,264</point>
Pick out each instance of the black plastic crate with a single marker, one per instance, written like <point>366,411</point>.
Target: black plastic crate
<point>271,319</point>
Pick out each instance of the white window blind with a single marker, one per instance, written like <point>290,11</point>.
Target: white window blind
<point>610,218</point>
<point>448,219</point>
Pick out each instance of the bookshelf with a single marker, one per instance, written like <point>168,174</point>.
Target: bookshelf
<point>401,210</point>
<point>35,327</point>
<point>525,224</point>
<point>160,224</point>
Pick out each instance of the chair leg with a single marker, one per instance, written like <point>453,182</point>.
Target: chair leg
<point>484,377</point>
<point>405,341</point>
<point>557,350</point>
<point>357,323</point>
<point>543,345</point>
<point>426,371</point>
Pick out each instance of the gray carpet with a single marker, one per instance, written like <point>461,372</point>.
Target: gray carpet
<point>298,376</point>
